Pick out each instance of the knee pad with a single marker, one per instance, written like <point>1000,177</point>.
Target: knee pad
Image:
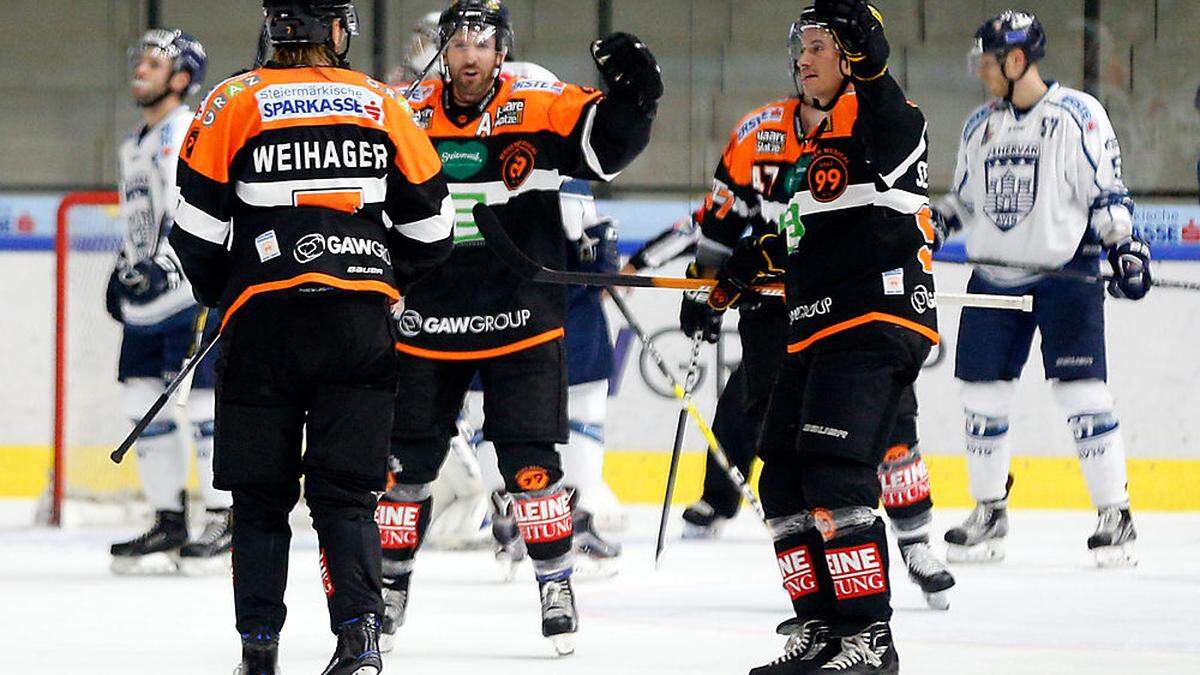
<point>265,504</point>
<point>830,523</point>
<point>989,399</point>
<point>777,487</point>
<point>529,467</point>
<point>1082,397</point>
<point>904,479</point>
<point>1098,443</point>
<point>334,496</point>
<point>418,461</point>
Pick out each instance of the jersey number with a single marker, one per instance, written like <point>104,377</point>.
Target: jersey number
<point>764,178</point>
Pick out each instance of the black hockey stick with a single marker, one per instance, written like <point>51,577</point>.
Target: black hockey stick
<point>525,267</point>
<point>119,454</point>
<point>1076,275</point>
<point>677,450</point>
<point>445,40</point>
<point>714,446</point>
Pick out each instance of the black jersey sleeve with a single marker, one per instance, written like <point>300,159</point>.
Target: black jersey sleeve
<point>894,132</point>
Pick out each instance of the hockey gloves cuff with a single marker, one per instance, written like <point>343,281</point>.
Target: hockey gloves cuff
<point>752,260</point>
<point>695,314</point>
<point>1130,260</point>
<point>628,68</point>
<point>858,30</point>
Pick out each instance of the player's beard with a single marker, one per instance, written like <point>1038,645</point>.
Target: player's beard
<point>150,97</point>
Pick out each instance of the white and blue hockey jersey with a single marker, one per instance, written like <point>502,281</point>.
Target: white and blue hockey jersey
<point>1027,187</point>
<point>149,196</point>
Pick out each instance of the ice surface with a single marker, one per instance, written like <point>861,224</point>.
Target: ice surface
<point>711,608</point>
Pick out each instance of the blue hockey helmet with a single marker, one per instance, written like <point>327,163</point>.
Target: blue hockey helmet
<point>185,52</point>
<point>1011,30</point>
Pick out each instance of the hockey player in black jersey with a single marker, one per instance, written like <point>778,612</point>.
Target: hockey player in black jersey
<point>849,229</point>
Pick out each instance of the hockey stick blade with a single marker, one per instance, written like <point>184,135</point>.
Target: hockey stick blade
<point>119,454</point>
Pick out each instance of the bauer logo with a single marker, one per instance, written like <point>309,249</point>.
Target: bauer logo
<point>397,524</point>
<point>796,568</point>
<point>856,571</point>
<point>544,519</point>
<point>298,101</point>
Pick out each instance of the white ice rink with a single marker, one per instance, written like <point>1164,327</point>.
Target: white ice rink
<point>712,608</point>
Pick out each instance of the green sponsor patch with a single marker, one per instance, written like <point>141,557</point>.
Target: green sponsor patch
<point>462,160</point>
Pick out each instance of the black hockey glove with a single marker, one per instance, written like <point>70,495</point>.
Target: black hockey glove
<point>112,296</point>
<point>628,68</point>
<point>695,314</point>
<point>1130,260</point>
<point>150,278</point>
<point>944,227</point>
<point>858,29</point>
<point>752,260</point>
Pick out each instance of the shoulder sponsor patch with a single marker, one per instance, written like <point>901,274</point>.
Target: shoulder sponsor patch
<point>748,125</point>
<point>511,113</point>
<point>421,93</point>
<point>308,100</point>
<point>771,142</point>
<point>268,246</point>
<point>538,85</point>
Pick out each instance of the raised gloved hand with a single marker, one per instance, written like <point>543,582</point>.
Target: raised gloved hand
<point>695,314</point>
<point>628,68</point>
<point>149,279</point>
<point>858,29</point>
<point>1130,260</point>
<point>752,259</point>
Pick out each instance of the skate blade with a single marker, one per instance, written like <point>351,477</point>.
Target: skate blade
<point>988,551</point>
<point>692,531</point>
<point>595,568</point>
<point>564,645</point>
<point>242,671</point>
<point>1109,557</point>
<point>939,600</point>
<point>367,670</point>
<point>153,564</point>
<point>206,567</point>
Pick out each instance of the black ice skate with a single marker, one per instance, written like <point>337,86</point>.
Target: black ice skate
<point>981,536</point>
<point>155,551</point>
<point>1112,543</point>
<point>209,553</point>
<point>594,557</point>
<point>869,651</point>
<point>560,621</point>
<point>701,521</point>
<point>929,573</point>
<point>260,654</point>
<point>395,606</point>
<point>510,547</point>
<point>808,641</point>
<point>357,650</point>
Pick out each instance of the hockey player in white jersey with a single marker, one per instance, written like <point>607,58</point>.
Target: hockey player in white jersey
<point>1038,186</point>
<point>149,295</point>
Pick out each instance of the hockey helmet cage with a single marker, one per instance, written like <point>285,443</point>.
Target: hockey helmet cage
<point>479,15</point>
<point>1006,31</point>
<point>185,53</point>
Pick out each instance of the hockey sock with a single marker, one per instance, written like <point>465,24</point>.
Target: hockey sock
<point>988,456</point>
<point>1101,454</point>
<point>544,519</point>
<point>343,516</point>
<point>856,555</point>
<point>403,515</point>
<point>162,465</point>
<point>213,498</point>
<point>261,538</point>
<point>904,479</point>
<point>799,551</point>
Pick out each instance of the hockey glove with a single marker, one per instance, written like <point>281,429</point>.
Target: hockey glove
<point>858,30</point>
<point>112,296</point>
<point>695,314</point>
<point>1130,260</point>
<point>150,278</point>
<point>628,68</point>
<point>752,259</point>
<point>944,227</point>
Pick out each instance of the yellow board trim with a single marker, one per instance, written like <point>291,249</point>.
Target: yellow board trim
<point>638,477</point>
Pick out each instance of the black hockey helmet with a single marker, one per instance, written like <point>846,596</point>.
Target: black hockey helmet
<point>299,22</point>
<point>1011,30</point>
<point>480,15</point>
<point>811,18</point>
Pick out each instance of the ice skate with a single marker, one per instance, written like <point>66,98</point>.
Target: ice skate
<point>701,521</point>
<point>395,606</point>
<point>1112,543</point>
<point>929,573</point>
<point>209,553</point>
<point>559,618</point>
<point>807,640</point>
<point>510,547</point>
<point>594,557</point>
<point>357,650</point>
<point>260,654</point>
<point>981,536</point>
<point>155,551</point>
<point>868,651</point>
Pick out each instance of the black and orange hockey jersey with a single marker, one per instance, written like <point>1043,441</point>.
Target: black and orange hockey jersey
<point>851,196</point>
<point>295,178</point>
<point>512,153</point>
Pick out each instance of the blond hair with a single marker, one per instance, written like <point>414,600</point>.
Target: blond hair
<point>288,56</point>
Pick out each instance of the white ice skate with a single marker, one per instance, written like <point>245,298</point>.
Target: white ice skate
<point>981,536</point>
<point>1112,544</point>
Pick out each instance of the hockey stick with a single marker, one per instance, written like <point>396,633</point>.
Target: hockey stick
<point>190,365</point>
<point>1076,275</point>
<point>429,66</point>
<point>685,395</point>
<point>714,446</point>
<point>185,388</point>
<point>502,245</point>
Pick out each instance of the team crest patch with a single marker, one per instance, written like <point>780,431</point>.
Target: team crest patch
<point>828,176</point>
<point>516,164</point>
<point>1010,175</point>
